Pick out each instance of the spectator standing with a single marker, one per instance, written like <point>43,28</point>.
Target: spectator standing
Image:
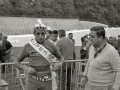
<point>48,35</point>
<point>8,48</point>
<point>54,37</point>
<point>103,67</point>
<point>83,48</point>
<point>70,36</point>
<point>114,42</point>
<point>54,41</point>
<point>65,46</point>
<point>4,50</point>
<point>111,40</point>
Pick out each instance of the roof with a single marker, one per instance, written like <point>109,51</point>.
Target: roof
<point>24,25</point>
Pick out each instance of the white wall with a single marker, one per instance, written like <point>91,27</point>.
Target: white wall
<point>20,40</point>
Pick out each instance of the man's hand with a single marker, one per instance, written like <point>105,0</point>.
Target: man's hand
<point>83,80</point>
<point>29,70</point>
<point>6,52</point>
<point>112,89</point>
<point>56,66</point>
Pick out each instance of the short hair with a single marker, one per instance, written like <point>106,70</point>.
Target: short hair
<point>83,38</point>
<point>55,32</point>
<point>49,31</point>
<point>5,36</point>
<point>1,34</point>
<point>70,34</point>
<point>62,33</point>
<point>100,31</point>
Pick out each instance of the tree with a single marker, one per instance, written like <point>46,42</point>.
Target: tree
<point>105,11</point>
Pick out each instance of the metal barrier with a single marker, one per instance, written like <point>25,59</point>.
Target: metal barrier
<point>10,75</point>
<point>68,77</point>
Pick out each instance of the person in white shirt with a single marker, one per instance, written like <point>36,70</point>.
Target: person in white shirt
<point>54,37</point>
<point>102,71</point>
<point>48,35</point>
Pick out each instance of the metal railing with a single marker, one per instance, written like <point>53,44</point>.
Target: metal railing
<point>68,77</point>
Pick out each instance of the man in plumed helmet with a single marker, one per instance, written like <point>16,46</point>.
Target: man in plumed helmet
<point>40,53</point>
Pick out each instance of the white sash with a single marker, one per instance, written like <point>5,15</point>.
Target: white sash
<point>48,56</point>
<point>42,50</point>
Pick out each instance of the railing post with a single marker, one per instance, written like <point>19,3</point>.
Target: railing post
<point>0,71</point>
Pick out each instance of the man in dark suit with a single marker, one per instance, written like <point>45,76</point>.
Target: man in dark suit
<point>3,50</point>
<point>70,36</point>
<point>9,47</point>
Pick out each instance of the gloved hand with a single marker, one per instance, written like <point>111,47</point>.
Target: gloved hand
<point>56,66</point>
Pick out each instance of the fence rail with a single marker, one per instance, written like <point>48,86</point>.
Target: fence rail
<point>67,77</point>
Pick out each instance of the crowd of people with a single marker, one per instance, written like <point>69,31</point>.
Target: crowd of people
<point>102,71</point>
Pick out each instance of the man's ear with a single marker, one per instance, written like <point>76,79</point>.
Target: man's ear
<point>101,37</point>
<point>34,33</point>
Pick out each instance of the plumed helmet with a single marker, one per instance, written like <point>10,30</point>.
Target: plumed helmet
<point>40,27</point>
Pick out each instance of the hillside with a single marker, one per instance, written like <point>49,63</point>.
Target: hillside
<point>104,11</point>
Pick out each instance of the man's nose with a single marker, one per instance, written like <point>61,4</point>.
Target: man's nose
<point>40,35</point>
<point>90,39</point>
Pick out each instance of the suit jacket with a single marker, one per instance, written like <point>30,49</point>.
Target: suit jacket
<point>3,47</point>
